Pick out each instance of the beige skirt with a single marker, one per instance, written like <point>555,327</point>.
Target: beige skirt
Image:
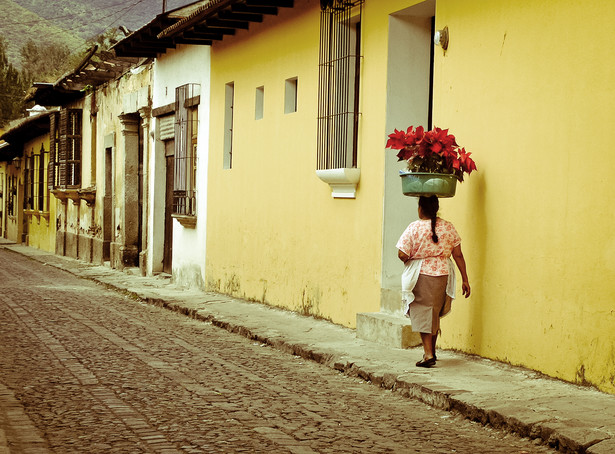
<point>429,299</point>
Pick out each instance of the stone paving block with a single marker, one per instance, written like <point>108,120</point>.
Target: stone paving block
<point>603,447</point>
<point>571,435</point>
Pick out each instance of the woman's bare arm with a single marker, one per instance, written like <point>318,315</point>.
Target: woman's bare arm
<point>403,256</point>
<point>461,264</point>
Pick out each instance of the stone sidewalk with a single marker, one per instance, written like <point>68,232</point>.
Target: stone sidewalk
<point>568,417</point>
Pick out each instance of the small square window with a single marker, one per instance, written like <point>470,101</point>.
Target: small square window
<point>259,103</point>
<point>229,102</point>
<point>290,96</point>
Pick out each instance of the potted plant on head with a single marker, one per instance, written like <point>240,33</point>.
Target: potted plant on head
<point>434,161</point>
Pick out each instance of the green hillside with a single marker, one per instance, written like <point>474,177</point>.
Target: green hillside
<point>89,18</point>
<point>18,24</point>
<point>71,22</point>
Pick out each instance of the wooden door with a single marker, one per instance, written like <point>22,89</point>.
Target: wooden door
<point>167,261</point>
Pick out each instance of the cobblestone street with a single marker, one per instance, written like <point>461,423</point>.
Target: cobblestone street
<point>84,369</point>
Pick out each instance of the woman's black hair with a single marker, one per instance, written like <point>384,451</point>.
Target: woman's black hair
<point>430,206</point>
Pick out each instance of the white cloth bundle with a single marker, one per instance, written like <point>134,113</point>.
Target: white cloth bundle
<point>411,274</point>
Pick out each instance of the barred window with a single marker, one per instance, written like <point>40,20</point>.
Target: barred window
<point>54,151</point>
<point>42,191</point>
<point>11,205</point>
<point>338,85</point>
<point>29,182</point>
<point>186,131</point>
<point>36,191</point>
<point>65,154</point>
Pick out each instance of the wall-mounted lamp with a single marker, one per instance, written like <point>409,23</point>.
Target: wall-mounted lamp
<point>17,162</point>
<point>440,38</point>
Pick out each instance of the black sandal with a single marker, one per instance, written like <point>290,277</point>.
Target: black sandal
<point>426,362</point>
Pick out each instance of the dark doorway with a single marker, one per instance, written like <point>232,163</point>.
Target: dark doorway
<point>141,190</point>
<point>108,204</point>
<point>167,260</point>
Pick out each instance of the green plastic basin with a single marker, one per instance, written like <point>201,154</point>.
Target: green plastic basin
<point>416,184</point>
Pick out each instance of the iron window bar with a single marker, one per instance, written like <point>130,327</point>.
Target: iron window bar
<point>186,131</point>
<point>338,94</point>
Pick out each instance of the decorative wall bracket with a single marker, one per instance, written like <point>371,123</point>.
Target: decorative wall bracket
<point>76,195</point>
<point>343,181</point>
<point>88,194</point>
<point>185,220</point>
<point>63,195</point>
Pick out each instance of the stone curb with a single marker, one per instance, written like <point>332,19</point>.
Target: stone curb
<point>557,435</point>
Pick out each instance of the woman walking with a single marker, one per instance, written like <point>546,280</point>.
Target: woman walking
<point>428,281</point>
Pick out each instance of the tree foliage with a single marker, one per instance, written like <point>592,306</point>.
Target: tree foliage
<point>108,38</point>
<point>18,25</point>
<point>12,88</point>
<point>40,62</point>
<point>44,62</point>
<point>43,39</point>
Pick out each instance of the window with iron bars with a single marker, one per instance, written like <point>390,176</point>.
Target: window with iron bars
<point>29,182</point>
<point>64,169</point>
<point>186,132</point>
<point>338,84</point>
<point>11,201</point>
<point>37,192</point>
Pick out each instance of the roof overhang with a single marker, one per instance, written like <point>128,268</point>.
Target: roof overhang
<point>96,68</point>
<point>200,23</point>
<point>143,42</point>
<point>4,151</point>
<point>46,94</point>
<point>21,131</point>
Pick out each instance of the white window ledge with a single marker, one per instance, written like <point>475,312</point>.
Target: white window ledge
<point>188,221</point>
<point>343,182</point>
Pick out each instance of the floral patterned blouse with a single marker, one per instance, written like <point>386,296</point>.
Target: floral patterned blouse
<point>416,242</point>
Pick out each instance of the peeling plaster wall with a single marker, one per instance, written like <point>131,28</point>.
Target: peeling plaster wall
<point>80,232</point>
<point>41,226</point>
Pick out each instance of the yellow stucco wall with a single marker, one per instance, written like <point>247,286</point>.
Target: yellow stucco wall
<point>41,225</point>
<point>528,87</point>
<point>274,233</point>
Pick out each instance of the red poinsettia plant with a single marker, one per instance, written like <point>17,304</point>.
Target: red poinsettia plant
<point>434,151</point>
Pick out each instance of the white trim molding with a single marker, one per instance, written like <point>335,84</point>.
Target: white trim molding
<point>343,181</point>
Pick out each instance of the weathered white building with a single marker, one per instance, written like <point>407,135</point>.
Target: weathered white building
<point>98,155</point>
<point>177,165</point>
<point>179,191</point>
